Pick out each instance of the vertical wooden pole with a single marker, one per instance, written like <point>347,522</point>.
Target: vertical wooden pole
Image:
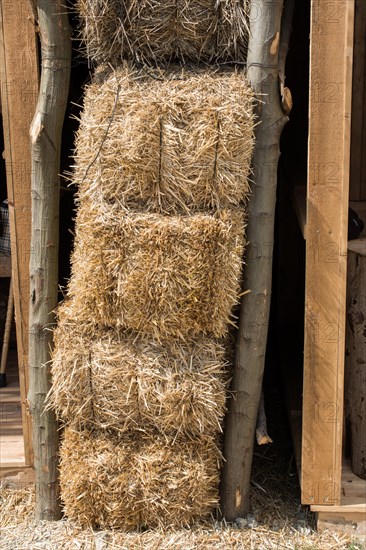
<point>263,74</point>
<point>19,91</point>
<point>326,248</point>
<point>46,132</point>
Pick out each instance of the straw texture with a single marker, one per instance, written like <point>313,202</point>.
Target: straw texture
<point>172,141</point>
<point>137,481</point>
<point>162,167</point>
<point>162,276</point>
<point>119,381</point>
<point>165,30</point>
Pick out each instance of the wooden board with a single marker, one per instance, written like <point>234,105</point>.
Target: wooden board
<point>353,494</point>
<point>17,478</point>
<point>331,47</point>
<point>358,141</point>
<point>19,91</point>
<point>11,429</point>
<point>350,516</point>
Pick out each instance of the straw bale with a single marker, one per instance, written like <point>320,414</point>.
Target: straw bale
<point>137,481</point>
<point>162,276</point>
<point>168,142</point>
<point>120,382</point>
<point>98,486</point>
<point>164,30</point>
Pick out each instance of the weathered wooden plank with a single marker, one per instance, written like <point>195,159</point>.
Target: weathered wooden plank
<point>331,49</point>
<point>11,432</point>
<point>19,92</point>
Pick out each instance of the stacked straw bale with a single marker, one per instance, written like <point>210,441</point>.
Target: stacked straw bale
<point>178,141</point>
<point>158,31</point>
<point>120,381</point>
<point>163,276</point>
<point>137,480</point>
<point>162,165</point>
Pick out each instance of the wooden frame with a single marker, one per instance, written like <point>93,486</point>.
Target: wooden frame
<point>19,79</point>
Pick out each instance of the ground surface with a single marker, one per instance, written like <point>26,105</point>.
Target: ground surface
<point>277,520</point>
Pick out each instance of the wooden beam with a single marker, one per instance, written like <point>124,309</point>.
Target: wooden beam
<point>19,91</point>
<point>331,47</point>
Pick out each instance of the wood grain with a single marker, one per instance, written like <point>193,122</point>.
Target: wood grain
<point>46,138</point>
<point>353,497</point>
<point>19,91</point>
<point>331,49</point>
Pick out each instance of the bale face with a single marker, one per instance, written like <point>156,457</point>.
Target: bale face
<point>179,483</point>
<point>172,142</point>
<point>98,487</point>
<point>137,481</point>
<point>120,382</point>
<point>162,276</point>
<point>165,30</point>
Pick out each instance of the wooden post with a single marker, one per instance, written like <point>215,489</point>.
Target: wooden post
<point>331,45</point>
<point>19,76</point>
<point>46,144</point>
<point>263,74</point>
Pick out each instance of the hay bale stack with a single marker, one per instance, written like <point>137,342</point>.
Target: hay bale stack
<point>162,165</point>
<point>121,382</point>
<point>172,141</point>
<point>137,481</point>
<point>162,276</point>
<point>163,30</point>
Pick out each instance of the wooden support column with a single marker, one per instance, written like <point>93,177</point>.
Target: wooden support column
<point>19,92</point>
<point>331,51</point>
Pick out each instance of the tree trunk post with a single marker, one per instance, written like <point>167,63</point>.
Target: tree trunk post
<point>45,132</point>
<point>263,75</point>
